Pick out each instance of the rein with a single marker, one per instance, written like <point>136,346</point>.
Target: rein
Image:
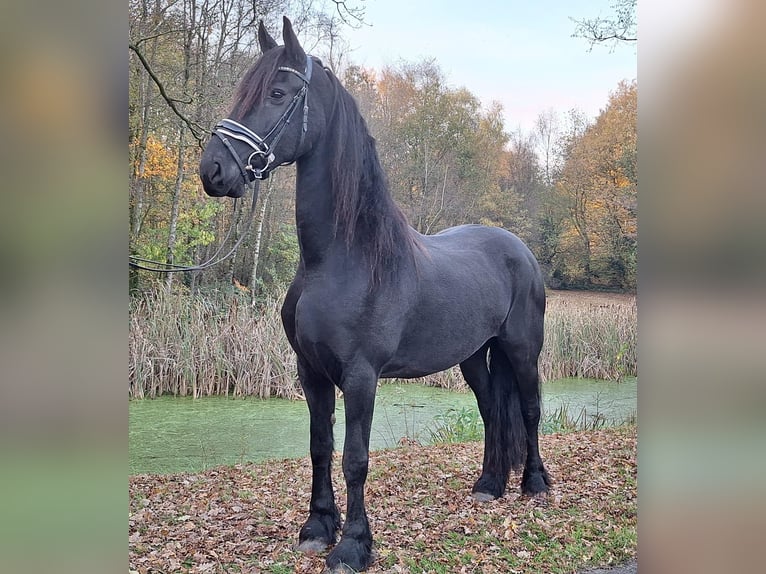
<point>163,267</point>
<point>260,145</point>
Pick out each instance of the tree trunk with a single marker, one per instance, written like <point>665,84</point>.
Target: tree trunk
<point>191,15</point>
<point>258,235</point>
<point>173,226</point>
<point>139,180</point>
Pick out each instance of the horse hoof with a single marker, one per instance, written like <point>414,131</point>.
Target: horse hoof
<point>311,546</point>
<point>483,496</point>
<point>350,555</point>
<point>339,569</point>
<point>318,532</point>
<point>535,483</point>
<point>488,487</point>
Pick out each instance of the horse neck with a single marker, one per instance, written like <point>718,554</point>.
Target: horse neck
<point>370,227</point>
<point>314,208</point>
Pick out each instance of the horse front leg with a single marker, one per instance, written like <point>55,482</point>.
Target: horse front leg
<point>355,547</point>
<point>323,522</point>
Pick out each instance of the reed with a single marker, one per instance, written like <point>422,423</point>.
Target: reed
<point>590,337</point>
<point>221,345</point>
<point>201,346</point>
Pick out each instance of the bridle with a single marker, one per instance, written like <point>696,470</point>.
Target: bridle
<point>263,147</point>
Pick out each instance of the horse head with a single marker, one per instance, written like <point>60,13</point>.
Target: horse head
<point>269,123</point>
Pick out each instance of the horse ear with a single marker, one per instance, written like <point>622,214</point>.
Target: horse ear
<point>264,38</point>
<point>292,46</point>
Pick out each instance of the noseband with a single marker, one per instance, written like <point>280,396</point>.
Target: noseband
<point>264,146</point>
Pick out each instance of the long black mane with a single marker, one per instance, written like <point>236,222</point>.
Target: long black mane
<point>252,88</point>
<point>365,212</point>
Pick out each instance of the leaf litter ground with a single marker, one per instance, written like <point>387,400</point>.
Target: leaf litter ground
<point>245,519</point>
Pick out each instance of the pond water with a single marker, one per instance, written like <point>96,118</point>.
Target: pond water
<point>181,434</point>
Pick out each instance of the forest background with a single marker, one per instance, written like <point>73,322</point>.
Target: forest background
<point>568,187</point>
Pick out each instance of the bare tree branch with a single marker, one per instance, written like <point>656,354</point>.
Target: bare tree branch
<point>196,130</point>
<point>352,13</point>
<point>621,28</point>
<point>157,35</point>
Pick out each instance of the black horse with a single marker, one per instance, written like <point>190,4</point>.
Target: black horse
<point>372,297</point>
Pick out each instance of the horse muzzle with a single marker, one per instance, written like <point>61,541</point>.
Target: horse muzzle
<point>217,181</point>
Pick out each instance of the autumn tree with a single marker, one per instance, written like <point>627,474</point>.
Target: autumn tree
<point>596,190</point>
<point>614,147</point>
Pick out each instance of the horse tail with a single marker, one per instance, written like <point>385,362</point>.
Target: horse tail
<point>506,435</point>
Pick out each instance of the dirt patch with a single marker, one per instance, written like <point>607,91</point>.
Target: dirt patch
<point>246,518</point>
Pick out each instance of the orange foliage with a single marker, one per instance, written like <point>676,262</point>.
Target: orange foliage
<point>160,161</point>
<point>599,183</point>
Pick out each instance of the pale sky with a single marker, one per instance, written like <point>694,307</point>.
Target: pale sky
<point>520,53</point>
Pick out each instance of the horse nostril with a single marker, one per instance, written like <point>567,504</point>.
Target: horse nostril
<point>212,175</point>
<point>216,175</point>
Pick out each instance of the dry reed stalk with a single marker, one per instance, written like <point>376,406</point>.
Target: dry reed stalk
<point>590,338</point>
<point>194,346</point>
<point>202,346</point>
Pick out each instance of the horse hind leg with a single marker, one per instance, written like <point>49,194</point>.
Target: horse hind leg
<point>525,389</point>
<point>497,413</point>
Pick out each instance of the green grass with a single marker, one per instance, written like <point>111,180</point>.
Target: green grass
<point>465,424</point>
<point>457,425</point>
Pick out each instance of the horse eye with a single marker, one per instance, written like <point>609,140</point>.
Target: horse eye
<point>277,94</point>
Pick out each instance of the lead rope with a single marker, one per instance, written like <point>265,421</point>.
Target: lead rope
<point>162,267</point>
